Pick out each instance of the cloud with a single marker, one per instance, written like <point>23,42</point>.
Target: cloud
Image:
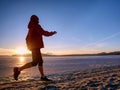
<point>100,45</point>
<point>6,51</point>
<point>101,42</point>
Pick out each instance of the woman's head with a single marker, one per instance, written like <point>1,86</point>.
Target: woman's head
<point>34,19</point>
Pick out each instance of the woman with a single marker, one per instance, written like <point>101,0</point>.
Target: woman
<point>34,43</point>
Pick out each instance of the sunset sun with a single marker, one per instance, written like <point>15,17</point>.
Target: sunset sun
<point>21,51</point>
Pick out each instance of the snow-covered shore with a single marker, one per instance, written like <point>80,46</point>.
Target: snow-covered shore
<point>98,79</point>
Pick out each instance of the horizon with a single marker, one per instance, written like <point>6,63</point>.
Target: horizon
<point>83,26</point>
<point>50,54</point>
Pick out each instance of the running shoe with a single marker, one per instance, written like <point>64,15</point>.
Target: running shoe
<point>45,79</point>
<point>16,73</point>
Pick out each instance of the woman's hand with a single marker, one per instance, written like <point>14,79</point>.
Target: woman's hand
<point>53,32</point>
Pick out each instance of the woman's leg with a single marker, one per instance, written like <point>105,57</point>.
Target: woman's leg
<point>27,65</point>
<point>17,70</point>
<point>40,67</point>
<point>40,63</point>
<point>31,64</point>
<point>41,71</point>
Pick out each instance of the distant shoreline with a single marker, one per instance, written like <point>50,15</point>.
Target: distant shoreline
<point>52,55</point>
<point>97,54</point>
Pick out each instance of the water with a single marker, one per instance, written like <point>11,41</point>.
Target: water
<point>54,65</point>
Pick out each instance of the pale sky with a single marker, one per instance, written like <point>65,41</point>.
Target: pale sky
<point>83,26</point>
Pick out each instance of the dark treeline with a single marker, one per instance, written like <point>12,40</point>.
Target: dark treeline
<point>97,54</point>
<point>102,53</point>
<point>110,53</point>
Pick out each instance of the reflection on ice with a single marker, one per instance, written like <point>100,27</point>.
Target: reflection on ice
<point>21,60</point>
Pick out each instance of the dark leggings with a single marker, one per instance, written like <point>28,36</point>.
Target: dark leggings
<point>37,57</point>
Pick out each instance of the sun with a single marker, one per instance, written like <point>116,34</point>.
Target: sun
<point>21,51</point>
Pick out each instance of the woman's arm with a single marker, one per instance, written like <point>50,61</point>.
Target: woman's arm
<point>46,33</point>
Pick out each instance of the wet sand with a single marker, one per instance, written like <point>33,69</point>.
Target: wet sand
<point>107,78</point>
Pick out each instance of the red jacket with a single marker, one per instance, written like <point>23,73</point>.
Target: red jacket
<point>34,37</point>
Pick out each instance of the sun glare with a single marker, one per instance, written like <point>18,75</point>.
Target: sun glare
<point>21,51</point>
<point>22,59</point>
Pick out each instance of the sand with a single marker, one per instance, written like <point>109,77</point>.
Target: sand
<point>107,78</point>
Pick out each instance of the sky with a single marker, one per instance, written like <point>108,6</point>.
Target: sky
<point>83,26</point>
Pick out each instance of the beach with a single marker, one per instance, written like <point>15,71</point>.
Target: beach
<point>107,78</point>
<point>66,73</point>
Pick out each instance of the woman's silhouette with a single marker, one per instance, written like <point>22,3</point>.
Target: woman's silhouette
<point>34,43</point>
